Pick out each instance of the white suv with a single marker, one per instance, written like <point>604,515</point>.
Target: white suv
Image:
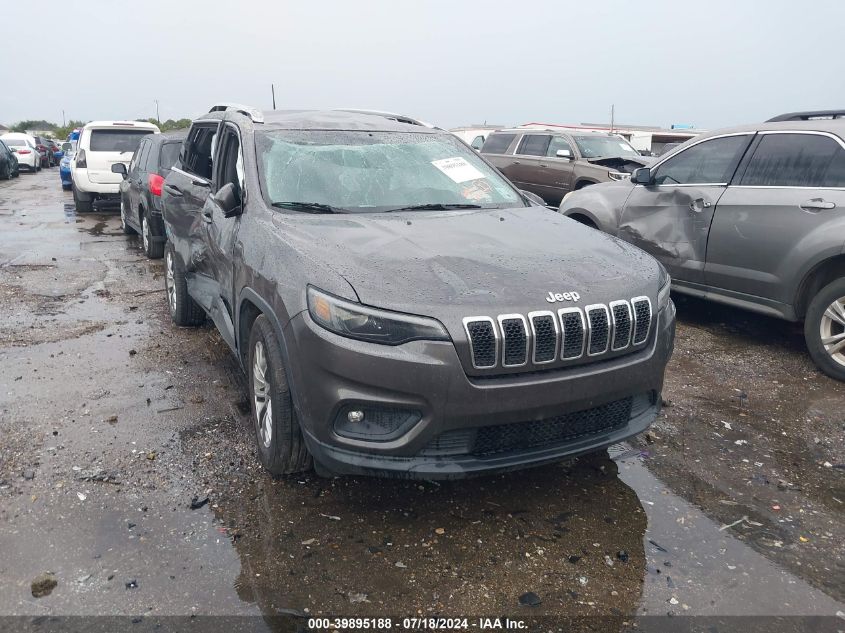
<point>103,144</point>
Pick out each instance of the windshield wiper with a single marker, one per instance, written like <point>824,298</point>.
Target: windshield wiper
<point>437,206</point>
<point>308,207</point>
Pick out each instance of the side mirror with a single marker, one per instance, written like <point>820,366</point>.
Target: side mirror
<point>229,200</point>
<point>641,176</point>
<point>564,153</point>
<point>119,168</point>
<point>533,198</point>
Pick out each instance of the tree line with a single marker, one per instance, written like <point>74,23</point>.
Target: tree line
<point>61,132</point>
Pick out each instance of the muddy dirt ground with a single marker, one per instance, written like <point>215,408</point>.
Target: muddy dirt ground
<point>112,421</point>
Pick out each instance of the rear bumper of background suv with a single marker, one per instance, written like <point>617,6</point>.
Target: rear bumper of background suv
<point>458,425</point>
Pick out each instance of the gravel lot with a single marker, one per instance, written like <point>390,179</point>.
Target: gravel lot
<point>112,421</point>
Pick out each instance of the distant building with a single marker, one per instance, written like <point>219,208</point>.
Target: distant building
<point>642,137</point>
<point>3,129</point>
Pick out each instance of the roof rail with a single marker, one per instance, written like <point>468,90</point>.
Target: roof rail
<point>253,113</point>
<point>810,115</point>
<point>399,118</point>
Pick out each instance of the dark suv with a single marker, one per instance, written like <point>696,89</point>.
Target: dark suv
<point>752,216</point>
<point>400,307</point>
<point>140,191</point>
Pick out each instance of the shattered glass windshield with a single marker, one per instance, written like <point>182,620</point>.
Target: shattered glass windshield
<point>365,172</point>
<point>604,147</point>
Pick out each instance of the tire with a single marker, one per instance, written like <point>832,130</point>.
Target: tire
<point>82,206</point>
<point>8,175</point>
<point>824,329</point>
<point>154,249</point>
<point>281,447</point>
<point>127,230</point>
<point>184,310</point>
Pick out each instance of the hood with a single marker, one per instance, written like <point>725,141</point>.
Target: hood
<point>625,164</point>
<point>480,262</point>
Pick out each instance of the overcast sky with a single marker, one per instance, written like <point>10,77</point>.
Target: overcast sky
<point>454,62</point>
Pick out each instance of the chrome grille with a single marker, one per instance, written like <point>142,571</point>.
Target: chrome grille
<point>642,319</point>
<point>511,340</point>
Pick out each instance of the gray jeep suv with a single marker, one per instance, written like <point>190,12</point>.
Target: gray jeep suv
<point>398,306</point>
<point>752,216</point>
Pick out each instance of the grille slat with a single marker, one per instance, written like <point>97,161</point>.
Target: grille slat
<point>620,313</point>
<point>550,431</point>
<point>642,319</point>
<point>545,333</point>
<point>599,324</point>
<point>483,341</point>
<point>515,340</point>
<point>572,324</point>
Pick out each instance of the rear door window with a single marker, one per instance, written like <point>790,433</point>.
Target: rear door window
<point>534,144</point>
<point>709,162</point>
<point>116,140</point>
<point>199,149</point>
<point>477,142</point>
<point>168,155</point>
<point>497,143</point>
<point>796,160</point>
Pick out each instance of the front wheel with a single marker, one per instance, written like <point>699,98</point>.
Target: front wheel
<point>824,329</point>
<point>183,309</point>
<point>281,447</point>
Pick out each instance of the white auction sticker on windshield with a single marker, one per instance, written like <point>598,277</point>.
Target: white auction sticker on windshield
<point>457,169</point>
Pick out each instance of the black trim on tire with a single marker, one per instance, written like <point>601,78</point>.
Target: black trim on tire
<point>82,206</point>
<point>155,248</point>
<point>188,312</point>
<point>287,453</point>
<point>812,336</point>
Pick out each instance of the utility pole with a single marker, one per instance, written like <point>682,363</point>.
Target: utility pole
<point>273,90</point>
<point>158,118</point>
<point>612,113</point>
<point>63,118</point>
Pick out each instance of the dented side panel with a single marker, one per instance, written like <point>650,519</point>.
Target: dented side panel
<point>672,224</point>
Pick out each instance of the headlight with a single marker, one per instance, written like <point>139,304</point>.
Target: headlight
<point>615,175</point>
<point>665,288</point>
<point>354,320</point>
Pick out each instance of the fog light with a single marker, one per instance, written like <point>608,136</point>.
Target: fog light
<point>374,424</point>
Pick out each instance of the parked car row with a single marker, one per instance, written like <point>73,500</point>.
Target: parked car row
<point>9,166</point>
<point>25,150</point>
<point>398,306</point>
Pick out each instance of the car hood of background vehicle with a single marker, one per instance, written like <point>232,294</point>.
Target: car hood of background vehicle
<point>622,163</point>
<point>476,262</point>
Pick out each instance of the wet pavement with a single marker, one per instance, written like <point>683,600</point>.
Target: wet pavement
<point>112,421</point>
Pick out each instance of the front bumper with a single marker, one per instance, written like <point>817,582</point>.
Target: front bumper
<point>64,174</point>
<point>331,373</point>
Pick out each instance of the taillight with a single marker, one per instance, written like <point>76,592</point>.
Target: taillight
<point>81,163</point>
<point>24,151</point>
<point>156,182</point>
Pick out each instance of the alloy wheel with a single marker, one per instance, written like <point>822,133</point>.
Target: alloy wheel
<point>261,394</point>
<point>170,284</point>
<point>832,330</point>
